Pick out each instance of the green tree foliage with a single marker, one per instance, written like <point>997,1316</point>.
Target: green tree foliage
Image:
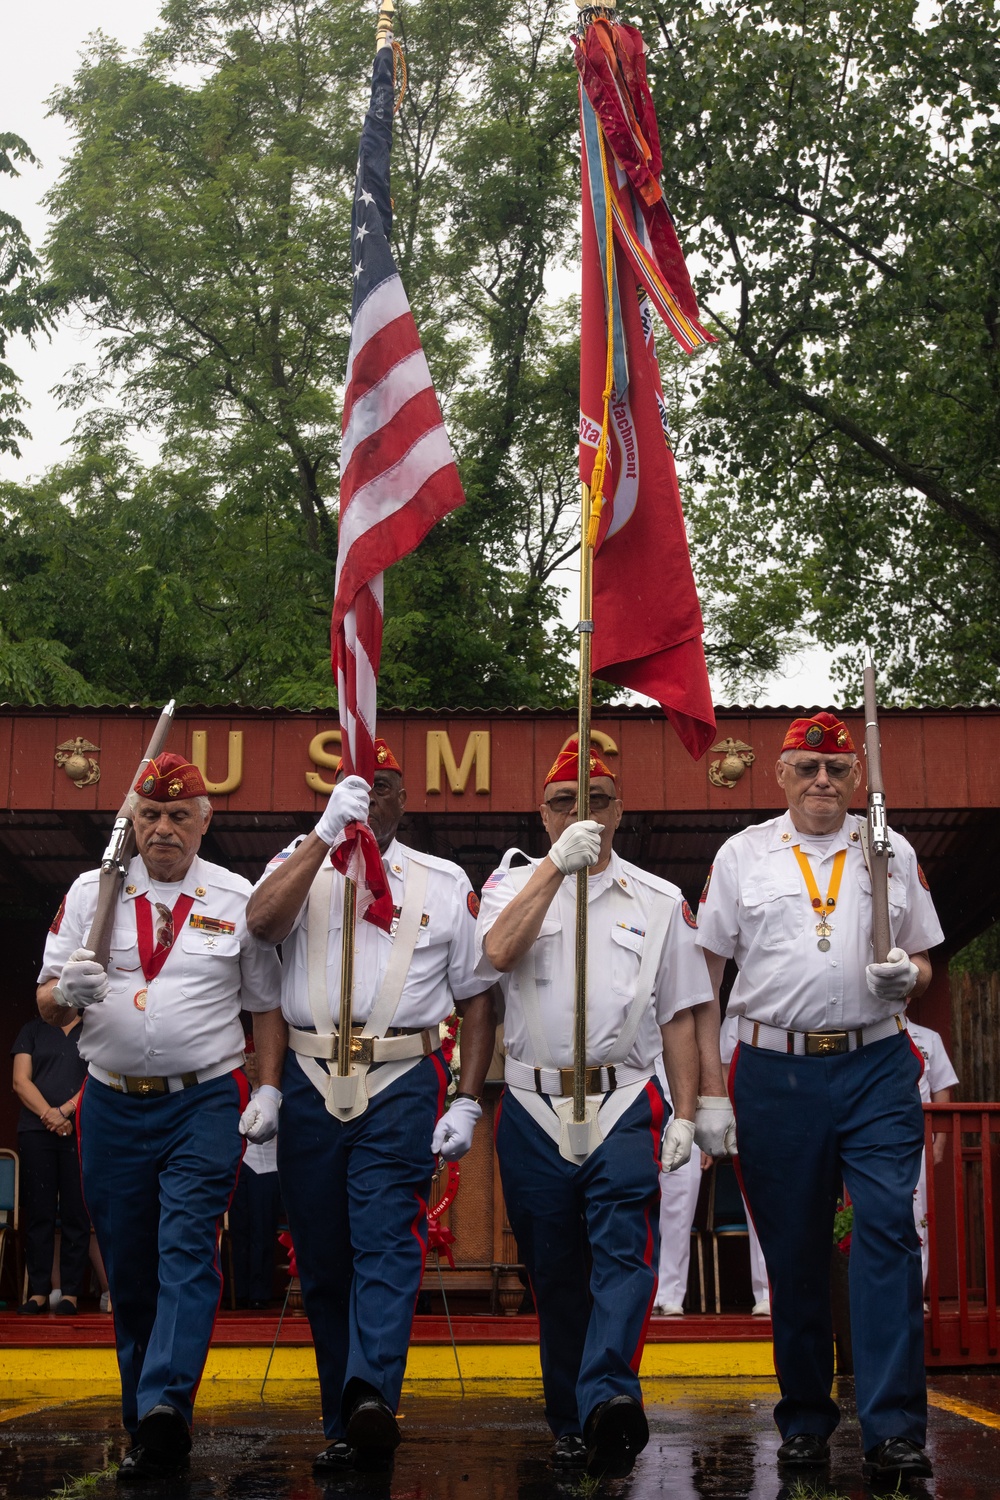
<point>157,587</point>
<point>981,956</point>
<point>835,172</point>
<point>22,300</point>
<point>201,230</point>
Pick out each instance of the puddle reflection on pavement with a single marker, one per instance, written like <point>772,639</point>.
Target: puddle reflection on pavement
<point>710,1440</point>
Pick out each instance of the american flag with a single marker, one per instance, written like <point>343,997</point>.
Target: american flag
<point>397,470</point>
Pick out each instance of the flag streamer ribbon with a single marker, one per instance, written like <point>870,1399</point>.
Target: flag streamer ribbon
<point>640,621</point>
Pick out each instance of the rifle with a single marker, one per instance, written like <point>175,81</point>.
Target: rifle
<point>878,850</point>
<point>121,847</point>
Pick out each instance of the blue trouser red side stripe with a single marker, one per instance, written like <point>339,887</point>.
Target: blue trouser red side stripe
<point>356,1198</point>
<point>805,1125</point>
<point>589,1238</point>
<point>158,1174</point>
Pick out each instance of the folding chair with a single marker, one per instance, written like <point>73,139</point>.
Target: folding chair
<point>10,1186</point>
<point>727,1214</point>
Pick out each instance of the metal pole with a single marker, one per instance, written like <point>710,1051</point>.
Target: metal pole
<point>879,850</point>
<point>383,38</point>
<point>447,1313</point>
<point>586,629</point>
<point>277,1335</point>
<point>346,980</point>
<point>383,29</point>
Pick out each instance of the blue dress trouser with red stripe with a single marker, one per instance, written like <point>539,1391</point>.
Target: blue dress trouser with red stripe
<point>158,1174</point>
<point>804,1125</point>
<point>356,1198</point>
<point>589,1237</point>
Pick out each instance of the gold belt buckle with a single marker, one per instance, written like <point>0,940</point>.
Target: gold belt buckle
<point>825,1043</point>
<point>592,1083</point>
<point>362,1049</point>
<point>145,1086</point>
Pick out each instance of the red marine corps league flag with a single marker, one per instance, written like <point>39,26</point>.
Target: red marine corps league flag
<point>647,620</point>
<point>397,470</point>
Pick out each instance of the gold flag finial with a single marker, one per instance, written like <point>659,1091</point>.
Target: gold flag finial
<point>383,29</point>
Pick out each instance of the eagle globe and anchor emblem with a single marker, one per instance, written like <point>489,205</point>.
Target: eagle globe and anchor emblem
<point>736,760</point>
<point>73,757</point>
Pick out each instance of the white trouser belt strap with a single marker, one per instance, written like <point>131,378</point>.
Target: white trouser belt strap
<point>125,1083</point>
<point>559,1081</point>
<point>817,1043</point>
<point>366,1049</point>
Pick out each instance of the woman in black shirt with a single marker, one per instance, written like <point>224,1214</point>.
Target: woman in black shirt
<point>48,1077</point>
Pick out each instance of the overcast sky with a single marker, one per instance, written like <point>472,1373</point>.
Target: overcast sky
<point>42,45</point>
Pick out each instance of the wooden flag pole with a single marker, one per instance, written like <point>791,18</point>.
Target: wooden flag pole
<point>344,1025</point>
<point>383,38</point>
<point>578,1127</point>
<point>586,629</point>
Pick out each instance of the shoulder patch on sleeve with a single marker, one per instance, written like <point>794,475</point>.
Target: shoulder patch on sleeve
<point>497,878</point>
<point>688,915</point>
<point>57,919</point>
<point>704,890</point>
<point>922,877</point>
<point>472,902</point>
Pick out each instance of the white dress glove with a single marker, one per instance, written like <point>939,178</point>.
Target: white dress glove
<point>348,804</point>
<point>577,846</point>
<point>453,1132</point>
<point>678,1138</point>
<point>82,982</point>
<point>715,1125</point>
<point>892,981</point>
<point>259,1121</point>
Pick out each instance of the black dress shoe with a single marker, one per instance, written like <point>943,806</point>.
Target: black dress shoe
<point>805,1450</point>
<point>371,1427</point>
<point>337,1458</point>
<point>66,1308</point>
<point>897,1458</point>
<point>164,1433</point>
<point>32,1309</point>
<point>570,1451</point>
<point>143,1465</point>
<point>616,1433</point>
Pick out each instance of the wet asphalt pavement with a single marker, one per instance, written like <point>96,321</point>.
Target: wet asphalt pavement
<point>710,1440</point>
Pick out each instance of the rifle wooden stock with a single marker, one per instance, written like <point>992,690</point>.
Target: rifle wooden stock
<point>879,850</point>
<point>120,850</point>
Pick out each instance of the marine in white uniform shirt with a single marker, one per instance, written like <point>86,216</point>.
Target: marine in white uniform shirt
<point>441,970</point>
<point>620,901</point>
<point>938,1070</point>
<point>755,909</point>
<point>187,1018</point>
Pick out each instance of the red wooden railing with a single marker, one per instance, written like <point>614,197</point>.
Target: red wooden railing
<point>963,1234</point>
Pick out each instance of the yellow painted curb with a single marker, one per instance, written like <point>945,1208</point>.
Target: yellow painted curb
<point>967,1409</point>
<point>697,1359</point>
<point>31,1367</point>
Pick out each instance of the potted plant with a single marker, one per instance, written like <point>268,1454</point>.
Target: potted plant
<point>840,1289</point>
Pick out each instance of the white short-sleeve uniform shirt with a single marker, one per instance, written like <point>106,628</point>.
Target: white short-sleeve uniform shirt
<point>188,1019</point>
<point>442,969</point>
<point>938,1070</point>
<point>620,903</point>
<point>756,909</point>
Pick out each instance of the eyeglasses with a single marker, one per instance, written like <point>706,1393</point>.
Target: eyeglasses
<point>808,770</point>
<point>566,801</point>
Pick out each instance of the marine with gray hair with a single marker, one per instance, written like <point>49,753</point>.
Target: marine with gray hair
<point>159,1116</point>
